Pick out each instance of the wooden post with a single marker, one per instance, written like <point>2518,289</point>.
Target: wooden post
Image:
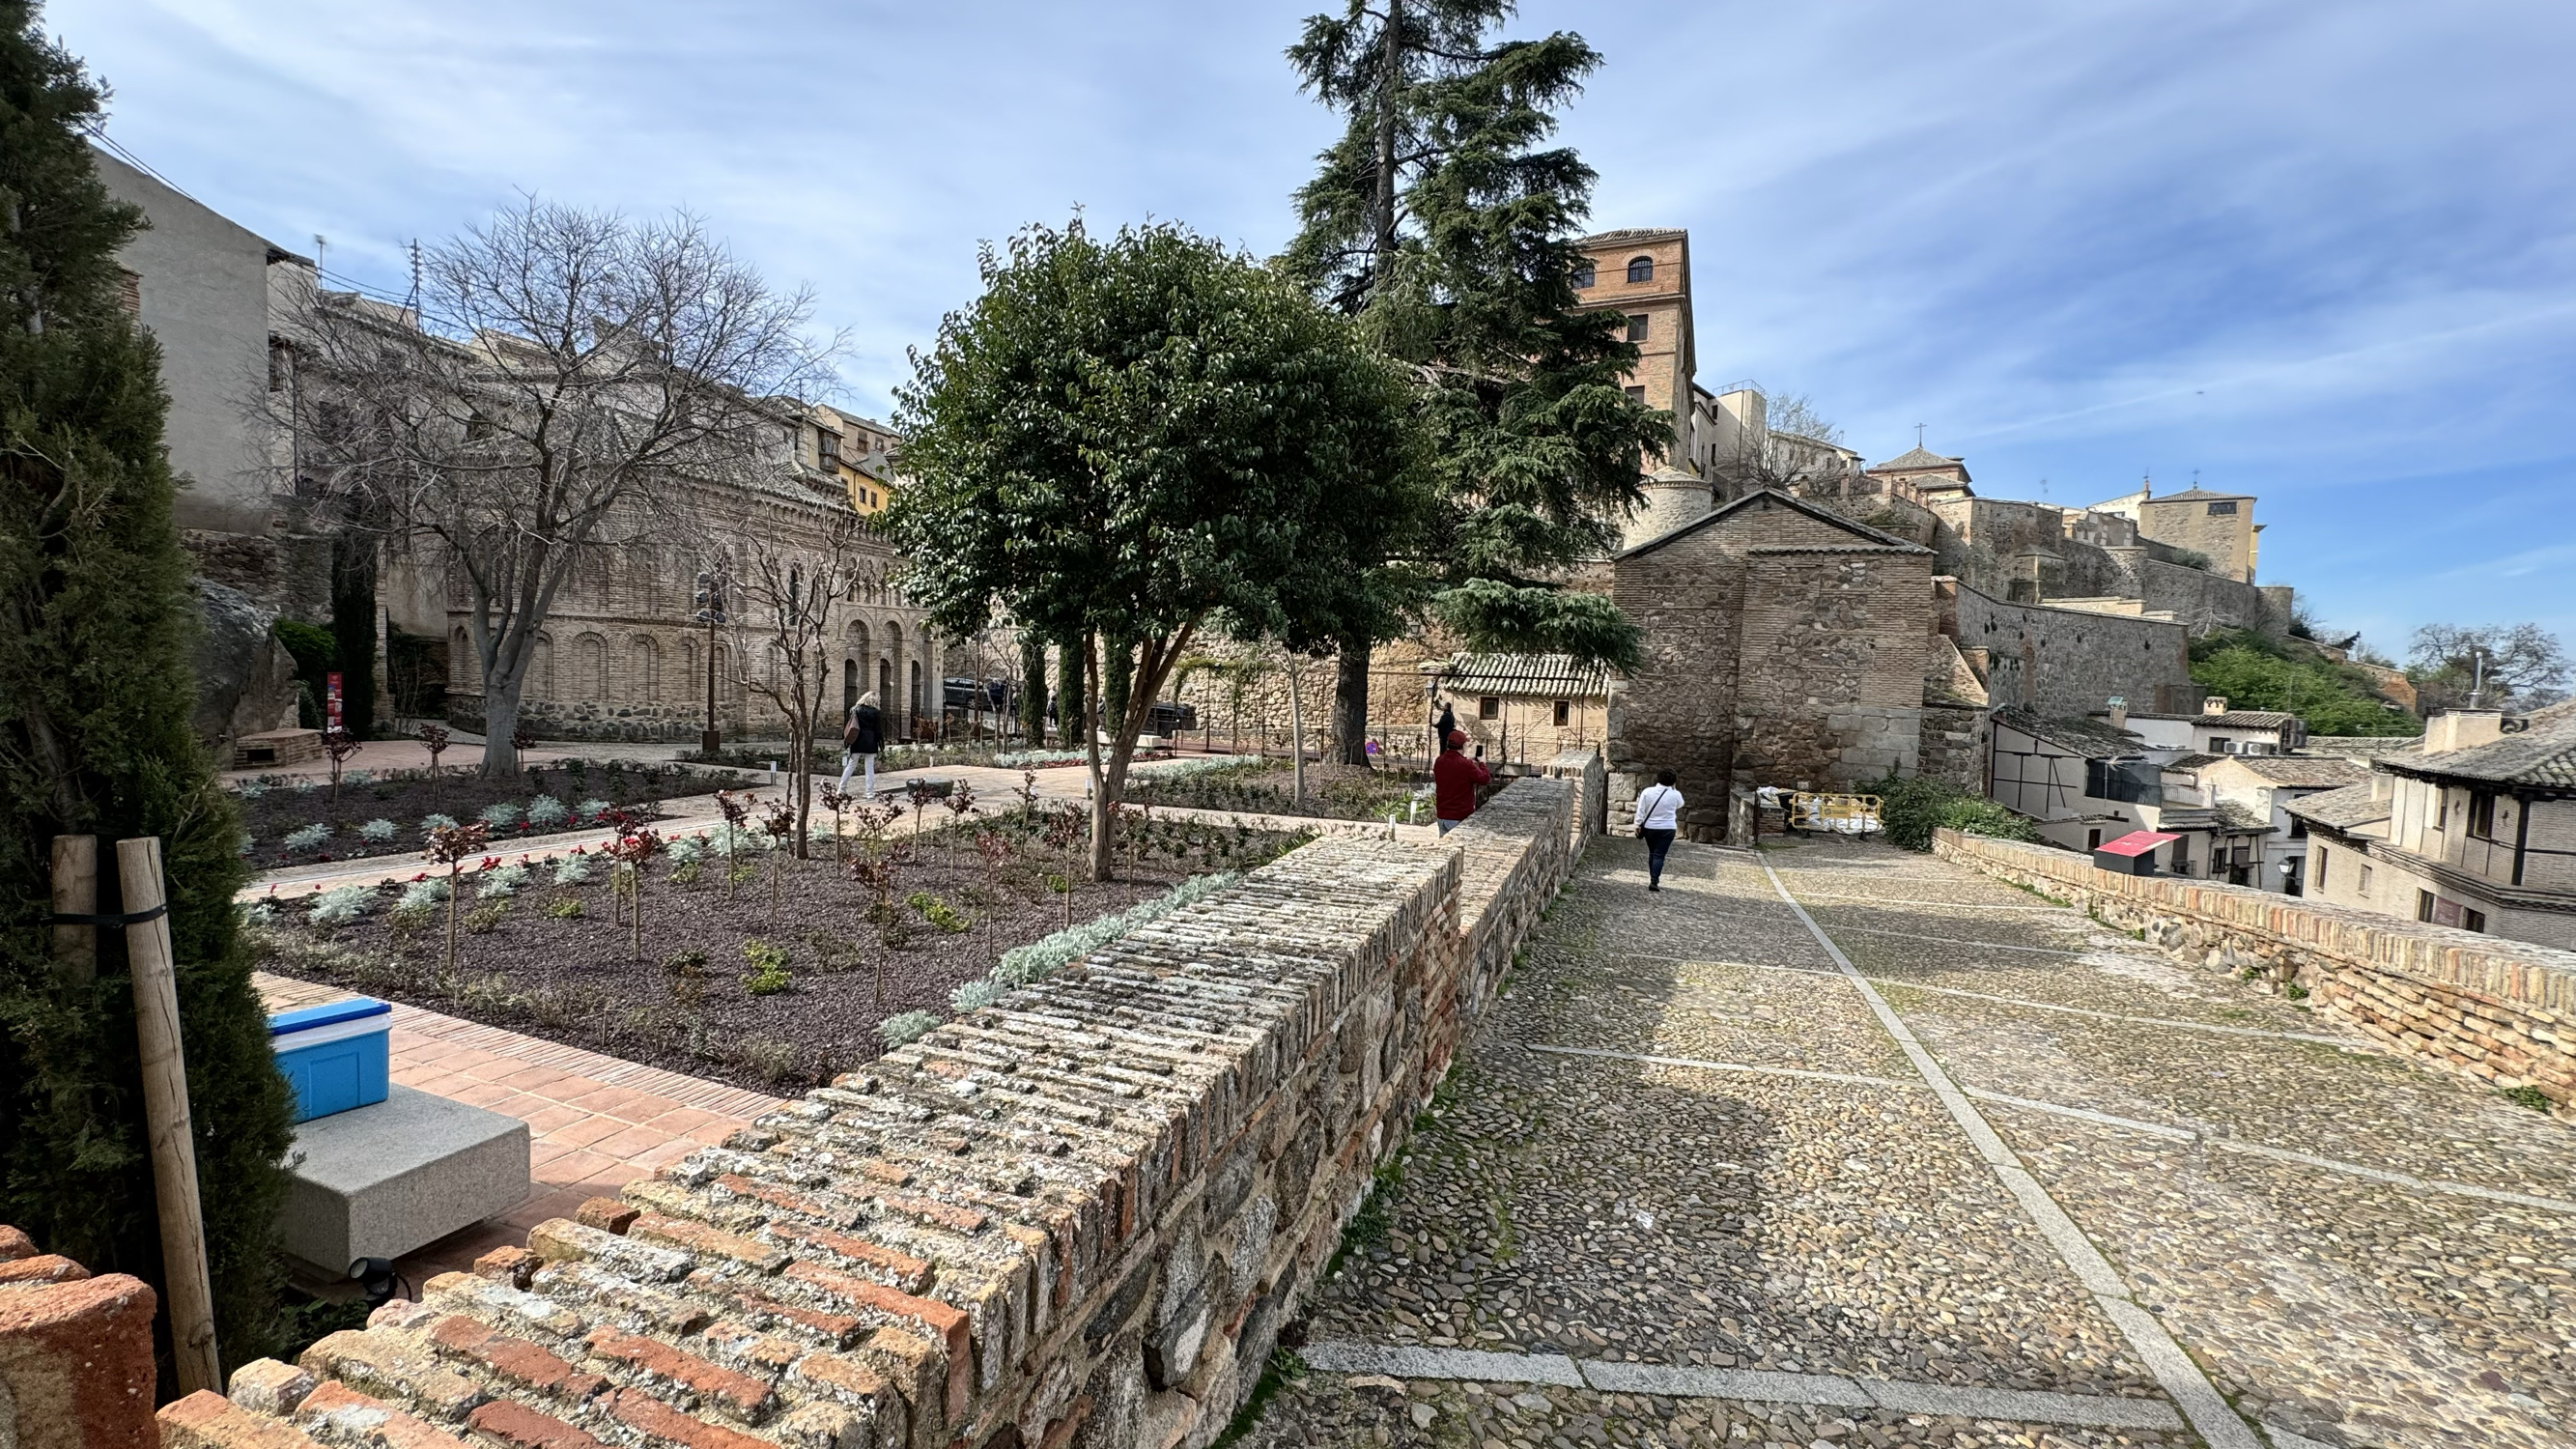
<point>165,1116</point>
<point>76,894</point>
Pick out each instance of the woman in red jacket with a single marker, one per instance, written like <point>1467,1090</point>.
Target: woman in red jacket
<point>1454,782</point>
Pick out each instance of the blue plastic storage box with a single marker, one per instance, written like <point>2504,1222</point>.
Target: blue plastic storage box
<point>333,1055</point>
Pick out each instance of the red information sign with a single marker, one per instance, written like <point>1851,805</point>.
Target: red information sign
<point>331,700</point>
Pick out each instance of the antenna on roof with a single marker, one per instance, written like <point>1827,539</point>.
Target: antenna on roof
<point>413,301</point>
<point>318,244</point>
<point>1918,435</point>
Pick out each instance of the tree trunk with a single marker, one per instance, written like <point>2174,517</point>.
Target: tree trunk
<point>1118,663</point>
<point>1382,204</point>
<point>500,721</point>
<point>353,630</point>
<point>1070,706</point>
<point>1297,731</point>
<point>800,745</point>
<point>1351,701</point>
<point>1033,690</point>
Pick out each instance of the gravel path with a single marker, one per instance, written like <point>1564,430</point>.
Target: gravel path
<point>1687,1139</point>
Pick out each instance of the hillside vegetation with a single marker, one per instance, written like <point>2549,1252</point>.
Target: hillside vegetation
<point>2256,672</point>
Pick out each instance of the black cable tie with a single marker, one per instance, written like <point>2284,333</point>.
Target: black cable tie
<point>62,918</point>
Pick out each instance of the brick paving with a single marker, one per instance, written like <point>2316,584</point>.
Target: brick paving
<point>595,1123</point>
<point>1687,1148</point>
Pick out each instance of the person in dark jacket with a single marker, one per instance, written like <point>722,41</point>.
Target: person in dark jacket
<point>1442,728</point>
<point>862,735</point>
<point>1454,782</point>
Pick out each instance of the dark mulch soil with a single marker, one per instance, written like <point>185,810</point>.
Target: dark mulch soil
<point>686,1005</point>
<point>272,811</point>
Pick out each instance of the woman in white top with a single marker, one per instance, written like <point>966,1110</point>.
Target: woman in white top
<point>1659,817</point>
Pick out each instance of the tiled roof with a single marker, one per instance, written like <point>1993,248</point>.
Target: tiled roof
<point>2543,755</point>
<point>2189,494</point>
<point>2091,739</point>
<point>2236,819</point>
<point>2340,809</point>
<point>2222,819</point>
<point>1553,676</point>
<point>1919,458</point>
<point>2194,762</point>
<point>2324,770</point>
<point>2362,747</point>
<point>2247,719</point>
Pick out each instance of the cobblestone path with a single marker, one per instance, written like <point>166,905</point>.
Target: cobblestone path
<point>1981,1172</point>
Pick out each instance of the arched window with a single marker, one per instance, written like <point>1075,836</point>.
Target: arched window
<point>1641,269</point>
<point>1583,276</point>
<point>849,684</point>
<point>590,668</point>
<point>461,662</point>
<point>647,678</point>
<point>539,682</point>
<point>689,679</point>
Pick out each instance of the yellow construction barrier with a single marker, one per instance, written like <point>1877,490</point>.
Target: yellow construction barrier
<point>1841,814</point>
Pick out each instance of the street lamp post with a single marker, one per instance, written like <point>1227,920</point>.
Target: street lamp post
<point>710,612</point>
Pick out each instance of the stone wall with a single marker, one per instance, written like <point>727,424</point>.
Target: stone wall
<point>1077,1218</point>
<point>2202,599</point>
<point>2068,661</point>
<point>75,1353</point>
<point>2500,1011</point>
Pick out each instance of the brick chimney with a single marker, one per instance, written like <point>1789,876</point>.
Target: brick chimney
<point>2462,729</point>
<point>2119,711</point>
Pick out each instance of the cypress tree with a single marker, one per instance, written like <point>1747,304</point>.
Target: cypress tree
<point>1444,220</point>
<point>95,695</point>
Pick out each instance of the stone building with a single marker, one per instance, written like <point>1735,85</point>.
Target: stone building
<point>1784,643</point>
<point>2219,527</point>
<point>623,658</point>
<point>1524,708</point>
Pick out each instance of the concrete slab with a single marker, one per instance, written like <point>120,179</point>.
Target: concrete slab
<point>380,1181</point>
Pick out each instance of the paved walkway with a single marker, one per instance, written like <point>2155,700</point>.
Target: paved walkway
<point>595,1123</point>
<point>1839,1145</point>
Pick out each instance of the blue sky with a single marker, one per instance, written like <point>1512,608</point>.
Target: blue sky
<point>2324,253</point>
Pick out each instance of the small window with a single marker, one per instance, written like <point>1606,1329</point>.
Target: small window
<point>2423,905</point>
<point>2481,815</point>
<point>2320,873</point>
<point>1564,713</point>
<point>2442,810</point>
<point>2222,510</point>
<point>2221,745</point>
<point>1635,394</point>
<point>2365,880</point>
<point>2092,840</point>
<point>827,446</point>
<point>2473,920</point>
<point>1489,708</point>
<point>1637,327</point>
<point>1641,269</point>
<point>1583,274</point>
<point>2182,856</point>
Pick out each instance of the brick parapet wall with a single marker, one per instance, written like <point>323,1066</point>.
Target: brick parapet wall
<point>76,1367</point>
<point>1077,1217</point>
<point>2503,1012</point>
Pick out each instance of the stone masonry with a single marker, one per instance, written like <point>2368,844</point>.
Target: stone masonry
<point>75,1353</point>
<point>2499,1011</point>
<point>1077,1217</point>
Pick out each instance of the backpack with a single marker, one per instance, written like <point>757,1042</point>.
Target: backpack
<point>850,732</point>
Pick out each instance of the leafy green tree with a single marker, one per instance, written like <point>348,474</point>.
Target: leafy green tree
<point>1137,442</point>
<point>95,693</point>
<point>1445,221</point>
<point>2255,671</point>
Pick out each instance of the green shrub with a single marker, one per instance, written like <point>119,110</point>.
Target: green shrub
<point>563,909</point>
<point>482,920</point>
<point>1911,809</point>
<point>768,975</point>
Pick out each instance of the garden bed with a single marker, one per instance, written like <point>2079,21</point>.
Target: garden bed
<point>776,981</point>
<point>1333,792</point>
<point>295,822</point>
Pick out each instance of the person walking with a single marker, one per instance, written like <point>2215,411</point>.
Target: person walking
<point>1454,781</point>
<point>862,735</point>
<point>1659,818</point>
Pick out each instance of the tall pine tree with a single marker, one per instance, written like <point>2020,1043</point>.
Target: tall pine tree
<point>1444,220</point>
<point>95,695</point>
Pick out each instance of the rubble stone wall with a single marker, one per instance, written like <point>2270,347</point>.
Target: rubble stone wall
<point>2068,661</point>
<point>75,1353</point>
<point>2503,1012</point>
<point>1075,1219</point>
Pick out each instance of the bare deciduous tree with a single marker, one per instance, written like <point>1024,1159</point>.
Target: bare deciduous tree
<point>568,376</point>
<point>2521,666</point>
<point>788,606</point>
